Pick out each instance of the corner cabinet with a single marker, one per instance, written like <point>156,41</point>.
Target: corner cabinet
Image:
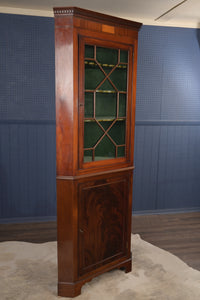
<point>96,58</point>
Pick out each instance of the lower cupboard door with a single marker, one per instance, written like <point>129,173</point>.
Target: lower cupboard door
<point>103,208</point>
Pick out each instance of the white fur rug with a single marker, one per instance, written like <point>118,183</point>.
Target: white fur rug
<point>29,272</point>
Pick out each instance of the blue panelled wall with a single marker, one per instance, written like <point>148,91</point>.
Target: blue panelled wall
<point>167,134</point>
<point>27,118</point>
<point>167,142</point>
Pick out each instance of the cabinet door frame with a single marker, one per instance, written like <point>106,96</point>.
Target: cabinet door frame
<point>130,105</point>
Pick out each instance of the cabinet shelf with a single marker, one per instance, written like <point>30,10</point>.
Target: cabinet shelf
<point>104,119</point>
<point>94,64</point>
<point>105,91</point>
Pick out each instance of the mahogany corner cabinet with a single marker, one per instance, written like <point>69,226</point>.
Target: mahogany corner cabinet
<point>95,57</point>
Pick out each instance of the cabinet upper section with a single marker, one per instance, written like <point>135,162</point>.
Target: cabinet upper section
<point>95,91</point>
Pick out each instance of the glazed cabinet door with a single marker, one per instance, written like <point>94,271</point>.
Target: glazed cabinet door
<point>103,206</point>
<point>105,105</point>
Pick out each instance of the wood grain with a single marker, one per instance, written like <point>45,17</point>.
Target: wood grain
<point>101,234</point>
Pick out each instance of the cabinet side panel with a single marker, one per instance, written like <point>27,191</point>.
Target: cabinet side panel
<point>67,230</point>
<point>64,99</point>
<point>129,210</point>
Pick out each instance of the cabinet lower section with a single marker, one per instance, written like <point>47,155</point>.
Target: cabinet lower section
<point>94,221</point>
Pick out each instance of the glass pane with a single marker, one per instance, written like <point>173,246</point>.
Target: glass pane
<point>107,56</point>
<point>119,78</point>
<point>123,56</point>
<point>122,105</point>
<point>92,133</point>
<point>117,132</point>
<point>89,51</point>
<point>106,105</point>
<point>121,151</point>
<point>105,149</point>
<point>88,155</point>
<point>107,68</point>
<point>93,76</point>
<point>106,124</point>
<point>89,105</point>
<point>106,87</point>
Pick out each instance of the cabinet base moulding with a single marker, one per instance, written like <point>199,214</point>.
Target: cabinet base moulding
<point>73,289</point>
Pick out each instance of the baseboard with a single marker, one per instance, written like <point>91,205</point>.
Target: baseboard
<point>28,220</point>
<point>166,211</point>
<point>139,212</point>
